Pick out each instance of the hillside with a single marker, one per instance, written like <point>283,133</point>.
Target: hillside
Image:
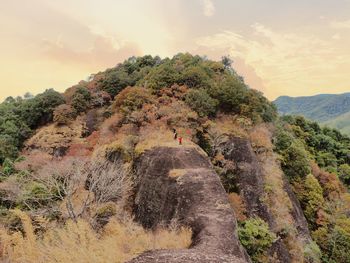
<point>341,122</point>
<point>327,109</point>
<point>169,160</point>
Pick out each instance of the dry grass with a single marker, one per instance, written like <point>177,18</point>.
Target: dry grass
<point>260,137</point>
<point>52,137</point>
<point>231,125</point>
<point>177,172</point>
<point>238,206</point>
<point>160,136</point>
<point>79,243</point>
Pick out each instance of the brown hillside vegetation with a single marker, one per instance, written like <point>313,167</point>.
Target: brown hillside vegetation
<point>169,160</point>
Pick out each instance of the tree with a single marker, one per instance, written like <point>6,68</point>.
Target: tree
<point>295,161</point>
<point>81,99</point>
<point>39,110</point>
<point>200,101</point>
<point>8,148</point>
<point>28,95</point>
<point>231,93</point>
<point>227,62</point>
<point>311,198</point>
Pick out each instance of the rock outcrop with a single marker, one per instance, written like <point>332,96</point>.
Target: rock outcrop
<point>250,183</point>
<point>180,184</point>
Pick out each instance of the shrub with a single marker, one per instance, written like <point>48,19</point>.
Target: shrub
<point>63,114</point>
<point>256,237</point>
<point>295,161</point>
<point>334,241</point>
<point>283,141</point>
<point>326,159</point>
<point>161,77</point>
<point>195,77</point>
<point>132,99</point>
<point>81,99</point>
<point>200,101</point>
<point>312,253</point>
<point>39,110</point>
<point>344,174</point>
<point>36,195</point>
<point>311,198</point>
<point>231,93</point>
<point>126,74</point>
<point>8,167</point>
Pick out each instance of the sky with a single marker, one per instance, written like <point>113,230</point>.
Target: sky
<point>280,47</point>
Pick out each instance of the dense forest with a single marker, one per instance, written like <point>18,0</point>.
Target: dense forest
<point>71,159</point>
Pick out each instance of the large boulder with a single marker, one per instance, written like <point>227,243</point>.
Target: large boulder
<point>179,184</point>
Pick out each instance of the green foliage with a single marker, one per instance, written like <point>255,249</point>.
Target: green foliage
<point>195,77</point>
<point>200,101</point>
<point>344,174</point>
<point>220,82</point>
<point>311,198</point>
<point>256,237</point>
<point>39,110</point>
<point>299,140</point>
<point>8,147</point>
<point>35,195</point>
<point>81,100</point>
<point>8,167</point>
<point>231,92</point>
<point>326,159</point>
<point>283,141</point>
<point>19,116</point>
<point>226,61</point>
<point>127,74</point>
<point>295,161</point>
<point>312,253</point>
<point>328,147</point>
<point>334,241</point>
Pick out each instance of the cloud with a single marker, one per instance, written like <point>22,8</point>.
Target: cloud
<point>208,8</point>
<point>103,51</point>
<point>340,24</point>
<point>288,63</point>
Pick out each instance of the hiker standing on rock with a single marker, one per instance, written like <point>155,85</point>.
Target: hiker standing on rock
<point>175,134</point>
<point>180,140</point>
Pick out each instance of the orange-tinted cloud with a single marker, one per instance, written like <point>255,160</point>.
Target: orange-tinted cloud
<point>287,63</point>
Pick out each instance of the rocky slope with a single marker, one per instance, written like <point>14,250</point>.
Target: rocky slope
<point>244,185</point>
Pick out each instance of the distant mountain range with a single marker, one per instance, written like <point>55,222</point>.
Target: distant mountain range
<point>332,110</point>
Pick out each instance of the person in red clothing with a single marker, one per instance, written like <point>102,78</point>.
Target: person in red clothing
<point>180,140</point>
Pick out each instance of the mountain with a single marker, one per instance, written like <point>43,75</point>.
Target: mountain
<point>169,160</point>
<point>329,109</point>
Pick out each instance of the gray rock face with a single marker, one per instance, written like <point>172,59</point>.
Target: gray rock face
<point>195,198</point>
<point>250,183</point>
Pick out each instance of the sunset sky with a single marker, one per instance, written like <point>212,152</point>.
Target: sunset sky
<point>281,47</point>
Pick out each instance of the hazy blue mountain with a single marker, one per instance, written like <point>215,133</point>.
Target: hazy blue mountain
<point>330,109</point>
